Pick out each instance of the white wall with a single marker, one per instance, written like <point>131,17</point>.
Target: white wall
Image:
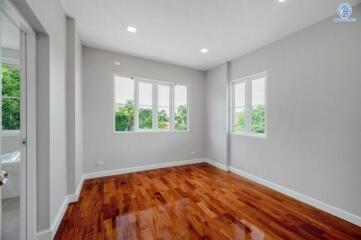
<point>43,133</point>
<point>48,20</point>
<point>314,131</point>
<point>123,150</point>
<point>79,154</point>
<point>74,107</point>
<point>216,131</point>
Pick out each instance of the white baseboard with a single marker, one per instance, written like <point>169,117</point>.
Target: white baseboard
<point>50,233</point>
<point>296,195</point>
<point>44,235</point>
<point>141,168</point>
<point>74,197</point>
<point>217,165</point>
<point>59,216</point>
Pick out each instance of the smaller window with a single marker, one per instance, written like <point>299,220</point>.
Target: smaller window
<point>181,110</point>
<point>249,105</point>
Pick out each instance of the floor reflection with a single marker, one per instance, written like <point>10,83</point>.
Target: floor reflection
<point>193,202</point>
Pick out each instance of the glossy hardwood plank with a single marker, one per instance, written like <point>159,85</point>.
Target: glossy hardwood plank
<point>193,202</point>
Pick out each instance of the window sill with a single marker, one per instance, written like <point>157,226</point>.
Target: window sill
<point>261,136</point>
<point>150,132</point>
<point>9,133</point>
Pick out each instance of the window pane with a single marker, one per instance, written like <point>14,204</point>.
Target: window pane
<point>11,80</point>
<point>181,111</point>
<point>10,97</point>
<point>145,105</point>
<point>124,104</point>
<point>11,113</point>
<point>163,107</point>
<point>145,94</point>
<point>239,107</point>
<point>258,105</point>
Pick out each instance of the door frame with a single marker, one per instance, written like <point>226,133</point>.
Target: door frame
<point>28,131</point>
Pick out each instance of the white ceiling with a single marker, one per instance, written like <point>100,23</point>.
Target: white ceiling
<point>174,31</point>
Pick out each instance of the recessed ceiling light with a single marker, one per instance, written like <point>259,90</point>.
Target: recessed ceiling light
<point>282,1</point>
<point>117,63</point>
<point>131,29</point>
<point>204,50</point>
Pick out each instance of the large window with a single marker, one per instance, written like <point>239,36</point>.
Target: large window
<point>144,105</point>
<point>249,105</point>
<point>10,97</point>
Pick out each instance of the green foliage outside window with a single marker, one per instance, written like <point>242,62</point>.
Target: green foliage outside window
<point>258,120</point>
<point>240,122</point>
<point>124,118</point>
<point>145,118</point>
<point>163,120</point>
<point>180,122</point>
<point>10,97</point>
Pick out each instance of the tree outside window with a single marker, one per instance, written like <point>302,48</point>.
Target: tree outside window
<point>10,97</point>
<point>149,105</point>
<point>249,105</point>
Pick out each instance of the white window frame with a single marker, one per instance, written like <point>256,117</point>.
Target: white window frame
<point>248,95</point>
<point>155,84</point>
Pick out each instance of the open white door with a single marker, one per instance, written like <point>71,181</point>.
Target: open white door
<point>18,125</point>
<point>13,119</point>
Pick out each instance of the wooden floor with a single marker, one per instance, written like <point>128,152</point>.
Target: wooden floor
<point>193,202</point>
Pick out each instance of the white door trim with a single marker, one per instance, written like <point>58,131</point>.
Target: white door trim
<point>31,136</point>
<point>23,135</point>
